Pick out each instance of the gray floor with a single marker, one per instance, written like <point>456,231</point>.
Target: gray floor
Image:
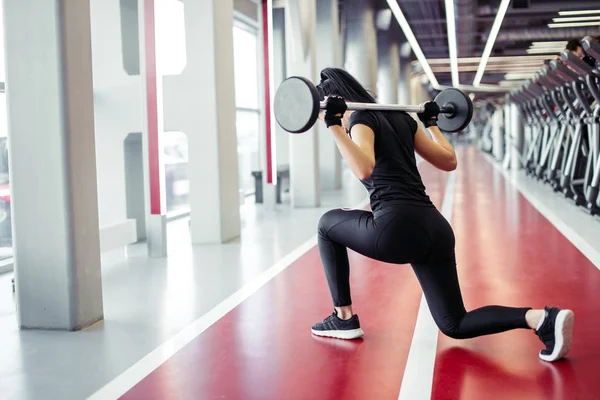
<point>148,300</point>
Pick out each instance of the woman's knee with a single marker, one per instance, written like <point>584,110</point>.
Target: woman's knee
<point>451,327</point>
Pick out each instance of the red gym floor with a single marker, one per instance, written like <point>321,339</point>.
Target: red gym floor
<point>508,254</point>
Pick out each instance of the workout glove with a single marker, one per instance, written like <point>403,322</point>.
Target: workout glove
<point>335,107</point>
<point>429,116</point>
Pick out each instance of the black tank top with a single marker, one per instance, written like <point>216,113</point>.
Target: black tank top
<point>395,179</point>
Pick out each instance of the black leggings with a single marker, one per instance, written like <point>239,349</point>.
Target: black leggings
<point>415,235</point>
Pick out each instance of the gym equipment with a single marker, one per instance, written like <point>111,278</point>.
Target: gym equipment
<point>297,105</point>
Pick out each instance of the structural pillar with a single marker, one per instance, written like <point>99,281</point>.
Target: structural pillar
<point>517,136</point>
<point>152,128</point>
<point>53,164</point>
<point>388,78</point>
<point>498,134</point>
<point>404,81</point>
<point>329,54</point>
<point>201,102</point>
<point>300,32</point>
<point>361,42</point>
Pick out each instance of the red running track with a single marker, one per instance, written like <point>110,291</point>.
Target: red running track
<point>507,253</point>
<point>263,349</point>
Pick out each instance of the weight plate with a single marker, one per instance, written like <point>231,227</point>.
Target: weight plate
<point>296,104</point>
<point>463,110</point>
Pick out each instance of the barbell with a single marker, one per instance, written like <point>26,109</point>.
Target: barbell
<point>297,105</point>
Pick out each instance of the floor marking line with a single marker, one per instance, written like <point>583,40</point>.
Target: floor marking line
<point>559,224</point>
<point>142,368</point>
<point>417,382</point>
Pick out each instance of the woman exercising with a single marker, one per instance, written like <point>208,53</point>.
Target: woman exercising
<point>404,226</point>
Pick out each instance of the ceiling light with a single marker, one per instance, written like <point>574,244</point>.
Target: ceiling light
<point>578,12</point>
<point>573,24</point>
<point>491,40</point>
<point>452,48</point>
<point>537,45</point>
<point>410,37</point>
<point>575,19</point>
<point>545,51</point>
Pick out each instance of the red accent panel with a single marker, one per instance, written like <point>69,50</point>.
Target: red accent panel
<point>152,107</point>
<point>266,39</point>
<point>509,254</point>
<point>263,349</point>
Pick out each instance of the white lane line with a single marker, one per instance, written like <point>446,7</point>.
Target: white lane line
<point>564,225</point>
<point>138,371</point>
<point>418,375</point>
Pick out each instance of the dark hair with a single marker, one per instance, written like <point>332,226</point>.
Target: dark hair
<point>573,44</point>
<point>338,82</point>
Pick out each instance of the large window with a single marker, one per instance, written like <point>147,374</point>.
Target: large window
<point>245,50</point>
<point>5,215</point>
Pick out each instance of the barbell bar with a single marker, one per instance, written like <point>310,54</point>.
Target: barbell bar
<point>297,105</point>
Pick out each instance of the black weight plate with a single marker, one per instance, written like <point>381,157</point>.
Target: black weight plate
<point>296,104</point>
<point>463,110</point>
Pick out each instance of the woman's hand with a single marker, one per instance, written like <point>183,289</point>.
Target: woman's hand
<point>334,110</point>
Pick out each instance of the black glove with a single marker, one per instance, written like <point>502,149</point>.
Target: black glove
<point>429,116</point>
<point>334,110</point>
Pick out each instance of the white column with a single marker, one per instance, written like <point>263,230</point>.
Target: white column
<point>497,134</point>
<point>152,129</point>
<point>404,81</point>
<point>201,103</point>
<point>300,23</point>
<point>53,164</point>
<point>507,136</point>
<point>388,77</point>
<point>329,54</point>
<point>516,133</point>
<point>361,42</point>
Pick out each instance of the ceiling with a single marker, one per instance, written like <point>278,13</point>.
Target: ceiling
<point>526,21</point>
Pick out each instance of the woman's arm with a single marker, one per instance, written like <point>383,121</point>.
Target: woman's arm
<point>358,152</point>
<point>436,150</point>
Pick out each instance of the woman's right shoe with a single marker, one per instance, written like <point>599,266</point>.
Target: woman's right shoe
<point>338,328</point>
<point>556,333</point>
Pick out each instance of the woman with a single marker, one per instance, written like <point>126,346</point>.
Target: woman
<point>404,226</point>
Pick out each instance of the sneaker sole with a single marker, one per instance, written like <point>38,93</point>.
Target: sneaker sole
<point>349,334</point>
<point>563,336</point>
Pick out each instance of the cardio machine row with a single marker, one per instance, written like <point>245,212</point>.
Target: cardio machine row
<point>561,105</point>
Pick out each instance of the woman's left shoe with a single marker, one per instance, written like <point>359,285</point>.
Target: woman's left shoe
<point>338,328</point>
<point>556,333</point>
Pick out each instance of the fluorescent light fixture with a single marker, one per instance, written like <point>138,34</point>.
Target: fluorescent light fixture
<point>579,12</point>
<point>539,45</point>
<point>548,50</point>
<point>500,59</point>
<point>518,76</point>
<point>573,24</point>
<point>575,19</point>
<point>452,47</point>
<point>414,44</point>
<point>491,40</point>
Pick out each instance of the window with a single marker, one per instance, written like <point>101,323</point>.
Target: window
<point>245,50</point>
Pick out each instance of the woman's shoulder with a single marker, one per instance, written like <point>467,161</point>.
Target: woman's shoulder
<point>365,117</point>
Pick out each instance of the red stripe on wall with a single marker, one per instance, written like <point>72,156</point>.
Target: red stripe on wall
<point>265,15</point>
<point>152,107</point>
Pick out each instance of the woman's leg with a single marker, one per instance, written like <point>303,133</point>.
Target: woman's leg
<point>442,291</point>
<point>358,230</point>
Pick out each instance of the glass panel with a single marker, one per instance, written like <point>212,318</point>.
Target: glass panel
<point>171,54</point>
<point>2,76</point>
<point>246,67</point>
<point>248,125</point>
<point>177,184</point>
<point>5,216</point>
